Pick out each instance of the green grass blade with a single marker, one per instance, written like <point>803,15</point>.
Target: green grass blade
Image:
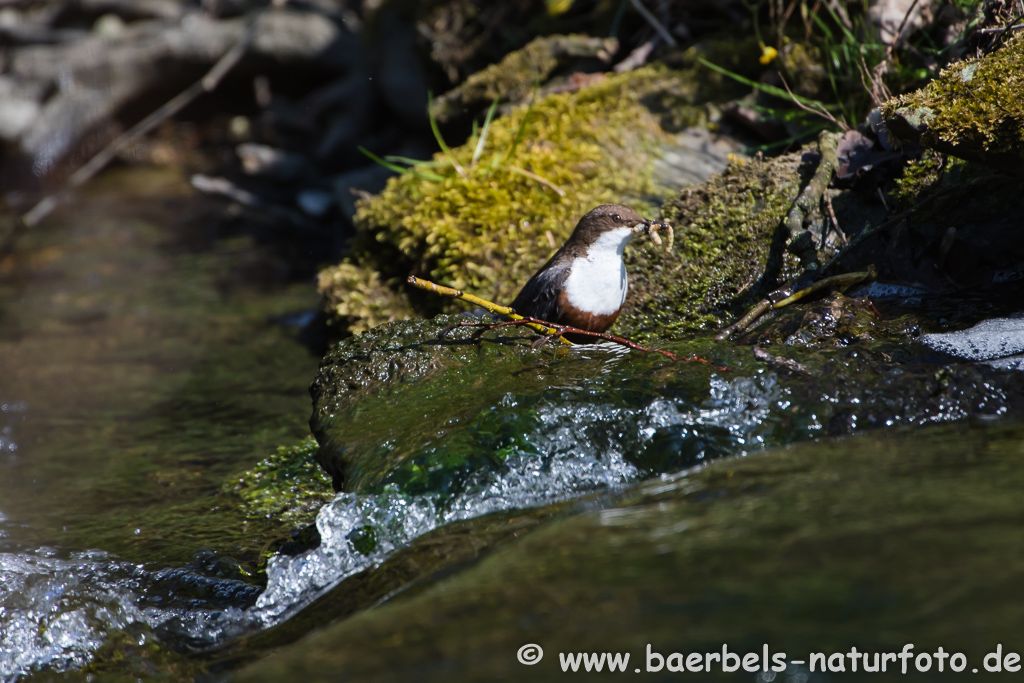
<point>440,140</point>
<point>410,161</point>
<point>426,175</point>
<point>483,132</point>
<point>764,87</point>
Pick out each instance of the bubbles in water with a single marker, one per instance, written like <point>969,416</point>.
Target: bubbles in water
<point>54,611</point>
<point>994,338</point>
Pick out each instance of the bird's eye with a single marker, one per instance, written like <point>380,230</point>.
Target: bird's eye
<point>617,218</point>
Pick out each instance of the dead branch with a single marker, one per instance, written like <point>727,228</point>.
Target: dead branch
<point>97,163</point>
<point>840,282</point>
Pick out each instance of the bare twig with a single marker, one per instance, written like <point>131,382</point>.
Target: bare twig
<point>835,221</point>
<point>741,325</point>
<point>477,301</point>
<point>1015,27</point>
<point>655,24</point>
<point>549,331</point>
<point>780,361</point>
<point>560,330</point>
<point>818,110</point>
<point>97,163</point>
<point>841,281</point>
<point>899,31</point>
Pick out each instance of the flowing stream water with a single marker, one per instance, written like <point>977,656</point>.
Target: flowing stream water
<point>145,362</point>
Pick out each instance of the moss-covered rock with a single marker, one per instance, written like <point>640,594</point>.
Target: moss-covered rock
<point>486,226</point>
<point>973,110</point>
<point>724,233</point>
<point>288,486</point>
<point>513,78</point>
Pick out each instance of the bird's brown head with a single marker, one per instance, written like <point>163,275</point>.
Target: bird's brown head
<point>604,218</point>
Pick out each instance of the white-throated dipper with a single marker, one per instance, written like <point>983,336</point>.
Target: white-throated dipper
<point>584,284</point>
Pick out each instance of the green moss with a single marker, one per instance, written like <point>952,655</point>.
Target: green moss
<point>974,109</point>
<point>514,77</point>
<point>356,294</point>
<point>724,230</point>
<point>488,229</point>
<point>918,176</point>
<point>288,486</point>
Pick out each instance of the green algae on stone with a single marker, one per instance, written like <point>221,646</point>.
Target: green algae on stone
<point>487,229</point>
<point>973,110</point>
<point>397,406</point>
<point>288,486</point>
<point>876,541</point>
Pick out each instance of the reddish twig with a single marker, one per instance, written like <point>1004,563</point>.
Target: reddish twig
<point>561,330</point>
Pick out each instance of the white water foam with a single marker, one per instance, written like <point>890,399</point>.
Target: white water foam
<point>54,612</point>
<point>570,455</point>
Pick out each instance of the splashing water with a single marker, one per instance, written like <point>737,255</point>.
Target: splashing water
<point>55,611</point>
<point>577,449</point>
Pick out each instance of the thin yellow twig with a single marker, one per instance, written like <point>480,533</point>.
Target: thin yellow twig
<point>483,303</point>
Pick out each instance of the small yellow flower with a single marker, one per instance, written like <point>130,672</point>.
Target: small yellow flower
<point>768,53</point>
<point>556,7</point>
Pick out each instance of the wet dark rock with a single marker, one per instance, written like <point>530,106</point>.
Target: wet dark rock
<point>398,407</point>
<point>835,321</point>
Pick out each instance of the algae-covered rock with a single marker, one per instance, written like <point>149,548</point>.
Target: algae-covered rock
<point>877,542</point>
<point>396,405</point>
<point>288,486</point>
<point>399,409</point>
<point>974,110</point>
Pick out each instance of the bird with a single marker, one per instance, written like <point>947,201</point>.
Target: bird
<point>584,284</point>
